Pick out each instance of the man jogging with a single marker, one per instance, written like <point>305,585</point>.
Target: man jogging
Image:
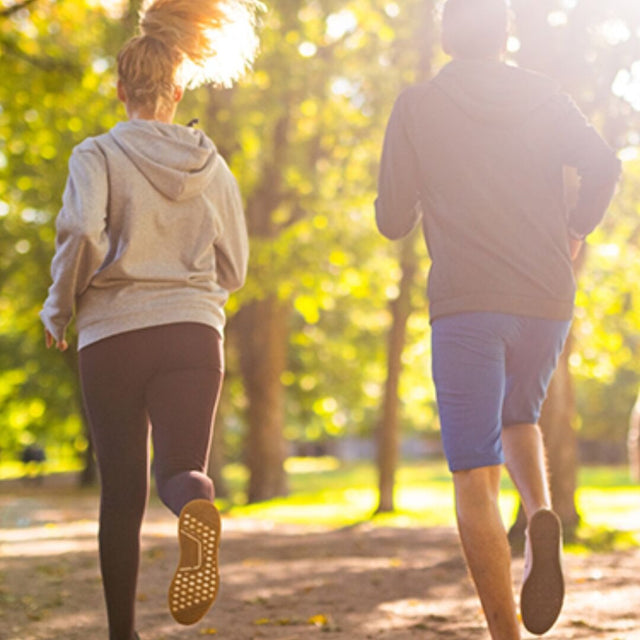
<point>477,154</point>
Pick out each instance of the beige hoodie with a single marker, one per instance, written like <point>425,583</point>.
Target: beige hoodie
<point>151,232</point>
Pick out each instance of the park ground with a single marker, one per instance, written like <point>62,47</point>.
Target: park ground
<point>281,579</point>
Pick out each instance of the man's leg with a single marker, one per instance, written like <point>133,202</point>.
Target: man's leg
<point>531,360</point>
<point>469,373</point>
<point>486,548</point>
<point>543,584</point>
<point>525,460</point>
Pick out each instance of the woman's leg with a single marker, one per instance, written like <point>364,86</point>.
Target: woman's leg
<point>113,387</point>
<point>182,399</point>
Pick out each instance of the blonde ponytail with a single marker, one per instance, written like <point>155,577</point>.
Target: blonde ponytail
<point>187,43</point>
<point>182,25</point>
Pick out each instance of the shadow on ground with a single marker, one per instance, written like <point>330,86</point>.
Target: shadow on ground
<point>278,582</point>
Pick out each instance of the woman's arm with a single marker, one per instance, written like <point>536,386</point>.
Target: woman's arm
<point>232,247</point>
<point>81,240</point>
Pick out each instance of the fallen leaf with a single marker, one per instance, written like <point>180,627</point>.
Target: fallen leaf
<point>283,622</point>
<point>252,562</point>
<point>319,620</point>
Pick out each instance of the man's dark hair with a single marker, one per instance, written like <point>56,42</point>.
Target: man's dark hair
<point>474,28</point>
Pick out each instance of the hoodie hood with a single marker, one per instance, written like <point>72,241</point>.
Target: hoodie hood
<point>493,92</point>
<point>178,161</point>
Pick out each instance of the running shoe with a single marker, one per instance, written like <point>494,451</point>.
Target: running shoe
<point>543,586</point>
<point>195,584</point>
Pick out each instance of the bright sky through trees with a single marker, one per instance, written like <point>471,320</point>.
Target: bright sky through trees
<point>303,133</point>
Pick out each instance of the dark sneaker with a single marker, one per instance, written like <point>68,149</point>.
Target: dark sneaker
<point>543,586</point>
<point>195,584</point>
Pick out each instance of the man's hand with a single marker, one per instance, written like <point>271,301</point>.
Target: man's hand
<point>574,247</point>
<point>50,341</point>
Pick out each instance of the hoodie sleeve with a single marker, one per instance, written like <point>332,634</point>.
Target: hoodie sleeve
<point>581,147</point>
<point>397,204</point>
<point>232,246</point>
<point>81,238</point>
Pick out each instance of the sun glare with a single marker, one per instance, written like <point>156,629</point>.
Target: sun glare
<point>615,32</point>
<point>307,49</point>
<point>341,23</point>
<point>629,154</point>
<point>557,19</point>
<point>513,44</point>
<point>235,45</point>
<point>609,250</point>
<point>627,85</point>
<point>115,9</point>
<point>392,10</point>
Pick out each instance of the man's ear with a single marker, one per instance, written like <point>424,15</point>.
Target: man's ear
<point>122,96</point>
<point>178,92</point>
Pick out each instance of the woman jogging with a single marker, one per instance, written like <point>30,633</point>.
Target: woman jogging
<point>151,239</point>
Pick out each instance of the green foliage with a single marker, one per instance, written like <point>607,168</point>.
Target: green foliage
<point>327,493</point>
<point>592,48</point>
<point>54,93</point>
<point>605,361</point>
<point>303,134</point>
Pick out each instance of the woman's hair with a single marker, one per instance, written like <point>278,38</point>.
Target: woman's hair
<point>475,28</point>
<point>186,43</point>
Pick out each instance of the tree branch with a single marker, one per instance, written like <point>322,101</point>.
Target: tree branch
<point>46,64</point>
<point>9,11</point>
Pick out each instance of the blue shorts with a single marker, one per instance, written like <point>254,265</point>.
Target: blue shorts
<point>491,370</point>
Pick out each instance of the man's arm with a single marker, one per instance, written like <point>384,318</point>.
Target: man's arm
<point>598,167</point>
<point>397,205</point>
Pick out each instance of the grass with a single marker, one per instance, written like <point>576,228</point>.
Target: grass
<point>327,493</point>
<point>11,469</point>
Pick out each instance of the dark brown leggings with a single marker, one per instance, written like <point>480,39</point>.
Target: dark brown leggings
<point>167,376</point>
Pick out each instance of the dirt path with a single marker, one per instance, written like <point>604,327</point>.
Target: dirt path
<point>278,581</point>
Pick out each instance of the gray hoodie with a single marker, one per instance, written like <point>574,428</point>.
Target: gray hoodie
<point>151,232</point>
<point>478,155</point>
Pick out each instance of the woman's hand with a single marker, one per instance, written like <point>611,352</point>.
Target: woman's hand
<point>49,340</point>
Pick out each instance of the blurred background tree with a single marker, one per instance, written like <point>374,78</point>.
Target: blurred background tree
<point>591,49</point>
<point>307,339</point>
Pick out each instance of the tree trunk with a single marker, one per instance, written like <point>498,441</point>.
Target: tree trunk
<point>217,459</point>
<point>262,342</point>
<point>89,474</point>
<point>556,422</point>
<point>633,442</point>
<point>388,440</point>
<point>389,430</point>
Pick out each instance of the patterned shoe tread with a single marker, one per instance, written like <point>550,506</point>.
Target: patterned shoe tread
<point>543,589</point>
<point>195,584</point>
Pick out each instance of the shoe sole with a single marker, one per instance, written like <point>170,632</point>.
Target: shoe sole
<point>195,584</point>
<point>542,592</point>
